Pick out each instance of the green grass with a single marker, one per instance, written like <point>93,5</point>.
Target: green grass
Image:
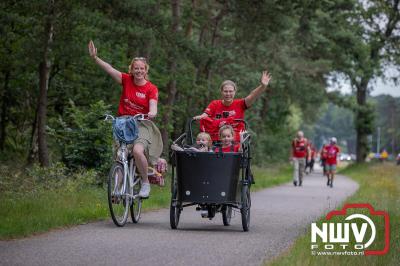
<point>380,187</point>
<point>36,212</point>
<point>25,215</point>
<point>271,176</point>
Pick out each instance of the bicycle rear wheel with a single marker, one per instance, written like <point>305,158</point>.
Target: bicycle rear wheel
<point>136,204</point>
<point>118,203</point>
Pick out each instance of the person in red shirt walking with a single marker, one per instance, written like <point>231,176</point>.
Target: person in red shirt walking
<point>226,110</point>
<point>332,151</point>
<point>310,158</point>
<point>322,157</point>
<point>300,149</point>
<point>139,96</point>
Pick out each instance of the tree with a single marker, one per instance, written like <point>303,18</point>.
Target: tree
<point>371,41</point>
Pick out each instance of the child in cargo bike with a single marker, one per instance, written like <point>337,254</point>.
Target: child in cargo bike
<point>203,144</point>
<point>226,137</point>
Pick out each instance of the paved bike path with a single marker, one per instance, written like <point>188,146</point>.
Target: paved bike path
<point>278,216</point>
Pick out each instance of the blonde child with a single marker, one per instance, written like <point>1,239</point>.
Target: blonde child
<point>226,137</point>
<point>204,142</point>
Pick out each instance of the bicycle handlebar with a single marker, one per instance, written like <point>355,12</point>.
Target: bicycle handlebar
<point>192,120</point>
<point>236,120</point>
<point>139,117</point>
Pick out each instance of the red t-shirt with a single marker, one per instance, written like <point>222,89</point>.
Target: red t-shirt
<point>218,111</point>
<point>136,99</point>
<point>299,148</point>
<point>331,153</point>
<point>232,148</point>
<point>312,152</point>
<point>323,152</point>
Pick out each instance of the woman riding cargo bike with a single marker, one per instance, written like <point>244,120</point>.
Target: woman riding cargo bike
<point>216,181</point>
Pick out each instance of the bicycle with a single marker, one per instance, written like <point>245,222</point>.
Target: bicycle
<point>124,184</point>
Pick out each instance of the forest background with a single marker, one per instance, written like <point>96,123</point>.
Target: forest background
<point>53,97</point>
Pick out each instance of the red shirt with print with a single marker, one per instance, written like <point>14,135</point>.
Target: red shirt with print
<point>218,111</point>
<point>231,148</point>
<point>299,148</point>
<point>136,99</point>
<point>332,152</point>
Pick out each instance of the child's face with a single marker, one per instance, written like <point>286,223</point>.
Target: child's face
<point>202,140</point>
<point>226,137</point>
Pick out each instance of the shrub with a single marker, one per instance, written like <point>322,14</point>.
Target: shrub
<point>84,138</point>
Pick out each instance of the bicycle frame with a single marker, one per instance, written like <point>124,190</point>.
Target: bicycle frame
<point>129,167</point>
<point>129,174</point>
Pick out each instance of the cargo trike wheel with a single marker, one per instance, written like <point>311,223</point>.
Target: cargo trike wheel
<point>226,215</point>
<point>245,209</point>
<point>174,210</point>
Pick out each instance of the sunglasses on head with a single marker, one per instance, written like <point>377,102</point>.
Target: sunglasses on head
<point>140,58</point>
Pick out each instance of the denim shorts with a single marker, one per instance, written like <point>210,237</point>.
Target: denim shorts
<point>330,167</point>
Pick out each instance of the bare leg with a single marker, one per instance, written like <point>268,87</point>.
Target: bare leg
<point>332,176</point>
<point>296,168</point>
<point>141,161</point>
<point>328,176</point>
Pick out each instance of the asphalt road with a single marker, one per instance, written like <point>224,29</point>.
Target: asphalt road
<point>278,216</point>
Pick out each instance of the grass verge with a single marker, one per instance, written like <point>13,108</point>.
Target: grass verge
<point>380,187</point>
<point>24,214</point>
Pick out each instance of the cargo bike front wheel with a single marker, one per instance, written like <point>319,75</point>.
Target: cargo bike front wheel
<point>175,209</point>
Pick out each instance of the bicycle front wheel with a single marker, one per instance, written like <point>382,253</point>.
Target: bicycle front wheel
<point>118,202</point>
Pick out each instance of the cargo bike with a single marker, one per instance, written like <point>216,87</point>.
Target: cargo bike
<point>215,182</point>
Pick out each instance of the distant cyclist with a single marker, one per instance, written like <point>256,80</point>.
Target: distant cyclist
<point>300,148</point>
<point>332,151</point>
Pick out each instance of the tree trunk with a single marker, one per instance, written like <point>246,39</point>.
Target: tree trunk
<point>33,151</point>
<point>171,87</point>
<point>393,126</point>
<point>362,146</point>
<point>4,110</point>
<point>44,73</point>
<point>361,119</point>
<point>189,25</point>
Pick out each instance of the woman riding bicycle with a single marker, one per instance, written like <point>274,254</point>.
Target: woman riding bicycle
<point>139,96</point>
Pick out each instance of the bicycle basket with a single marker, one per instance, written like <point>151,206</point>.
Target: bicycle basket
<point>125,129</point>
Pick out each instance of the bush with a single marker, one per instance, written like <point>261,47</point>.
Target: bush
<point>84,138</point>
<point>16,181</point>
